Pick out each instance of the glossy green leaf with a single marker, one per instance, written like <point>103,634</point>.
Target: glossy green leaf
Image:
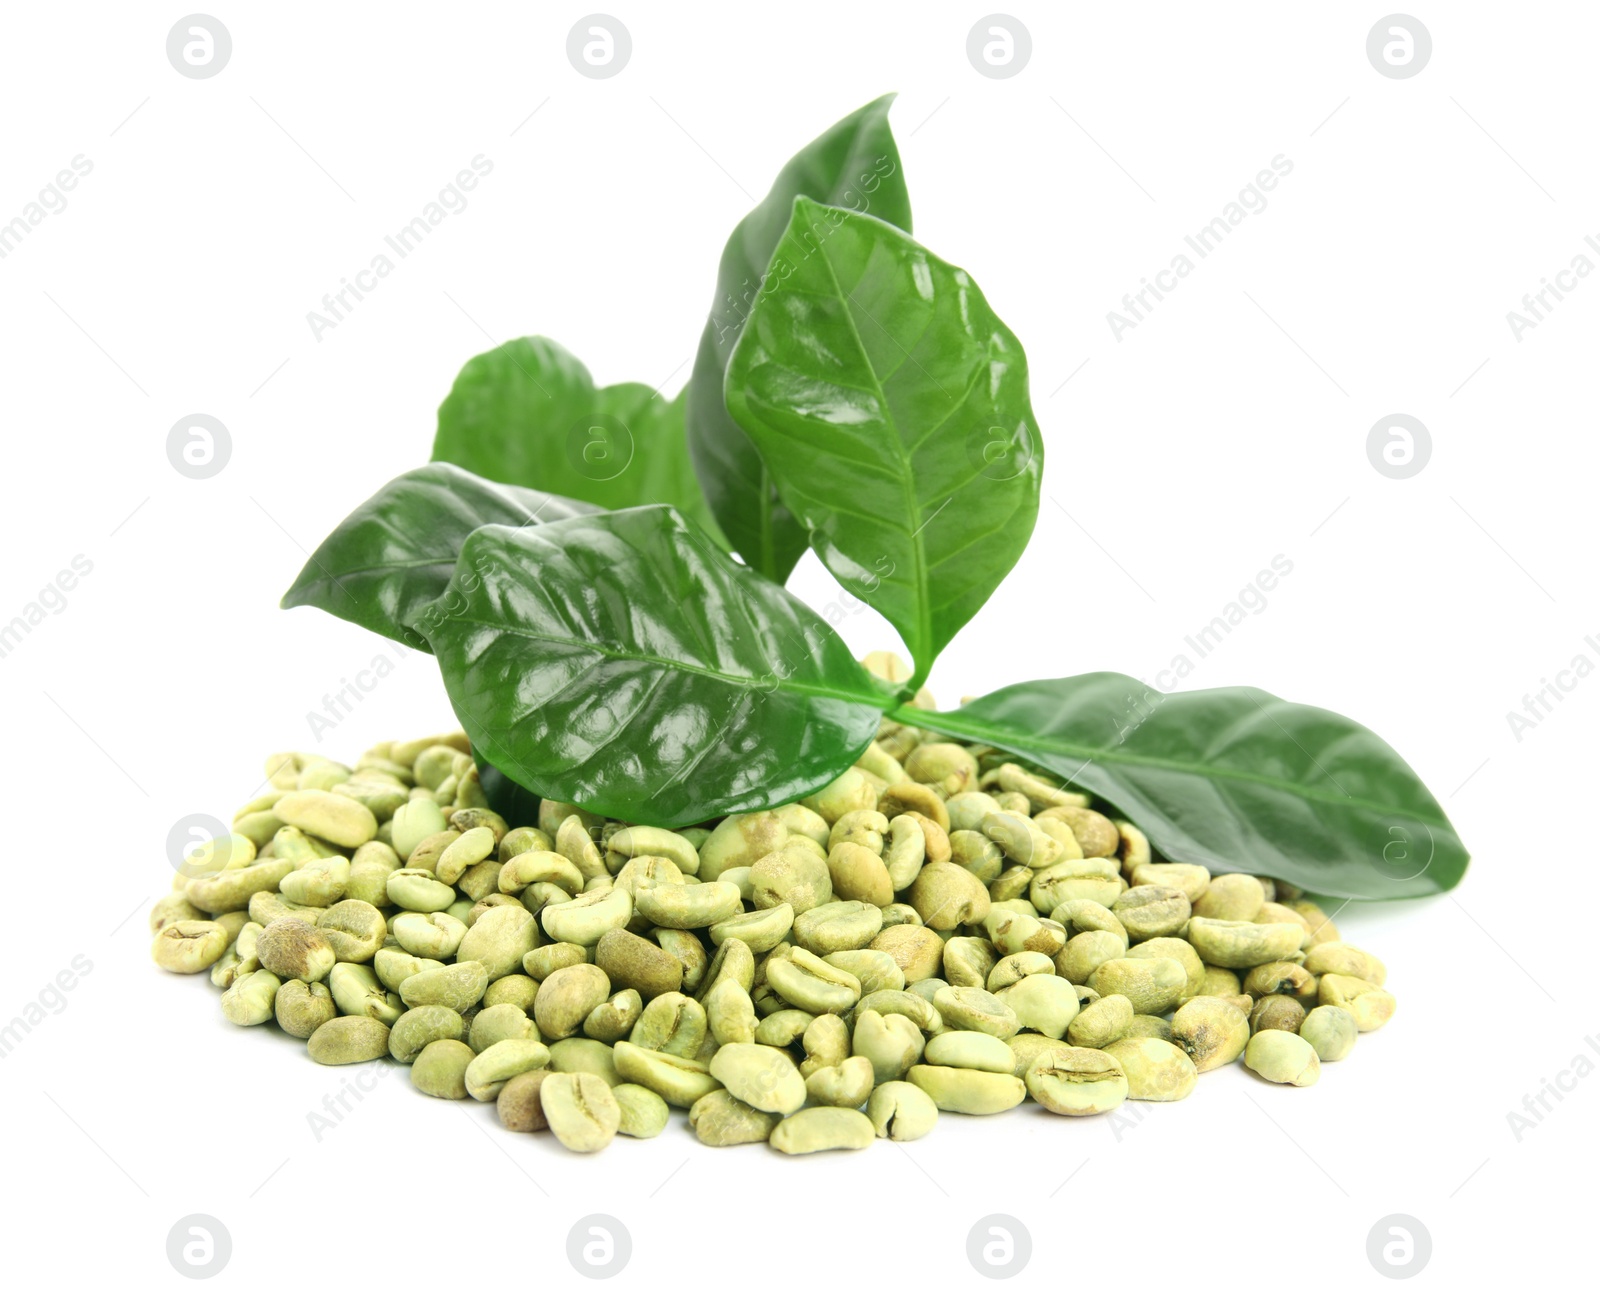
<point>1233,778</point>
<point>623,663</point>
<point>395,554</point>
<point>854,164</point>
<point>891,408</point>
<point>529,414</point>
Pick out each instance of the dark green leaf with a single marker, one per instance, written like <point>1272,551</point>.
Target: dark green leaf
<point>623,663</point>
<point>395,554</point>
<point>528,413</point>
<point>1233,778</point>
<point>891,408</point>
<point>854,164</point>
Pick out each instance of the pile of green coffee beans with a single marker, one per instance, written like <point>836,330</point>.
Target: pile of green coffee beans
<point>940,929</point>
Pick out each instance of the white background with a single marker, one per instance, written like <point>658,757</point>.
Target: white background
<point>1227,428</point>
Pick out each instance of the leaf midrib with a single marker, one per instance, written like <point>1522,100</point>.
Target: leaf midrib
<point>664,663</point>
<point>984,731</point>
<point>922,649</point>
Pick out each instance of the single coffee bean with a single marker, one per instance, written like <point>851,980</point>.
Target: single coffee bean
<point>822,1128</point>
<point>1282,1058</point>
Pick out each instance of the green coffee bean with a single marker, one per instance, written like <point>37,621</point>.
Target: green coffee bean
<point>807,982</point>
<point>1098,880</point>
<point>902,1002</point>
<point>1157,1071</point>
<point>229,891</point>
<point>680,1080</point>
<point>976,1009</point>
<point>917,951</point>
<point>1152,985</point>
<point>839,924</point>
<point>295,950</point>
<point>337,819</point>
<point>719,1119</point>
<point>947,896</point>
<point>1345,960</point>
<point>901,1111</point>
<point>355,929</point>
<point>1191,878</point>
<point>440,1069</point>
<point>739,841</point>
<point>1232,897</point>
<point>518,1104</point>
<point>567,996</point>
<point>875,968</point>
<point>1288,978</point>
<point>1212,1031</point>
<point>1282,1058</point>
<point>970,1050</point>
<point>394,965</point>
<point>320,882</point>
<point>968,1092</point>
<point>1181,952</point>
<point>577,1056</point>
<point>249,999</point>
<point>420,1026</point>
<point>1042,1002</point>
<point>1147,912</point>
<point>1144,1026</point>
<point>616,1017</point>
<point>759,1076</point>
<point>418,891</point>
<point>346,1040</point>
<point>467,850</point>
<point>1277,1012</point>
<point>1086,951</point>
<point>1240,944</point>
<point>1104,1021</point>
<point>459,986</point>
<point>892,1044</point>
<point>429,935</point>
<point>640,1113</point>
<point>1370,1006</point>
<point>356,992</point>
<point>685,907</point>
<point>761,930</point>
<point>1076,1081</point>
<point>499,940</point>
<point>301,1008</point>
<point>826,1043</point>
<point>1330,1030</point>
<point>190,947</point>
<point>730,1014</point>
<point>822,1128</point>
<point>486,1074</point>
<point>849,1083</point>
<point>673,1023</point>
<point>491,1025</point>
